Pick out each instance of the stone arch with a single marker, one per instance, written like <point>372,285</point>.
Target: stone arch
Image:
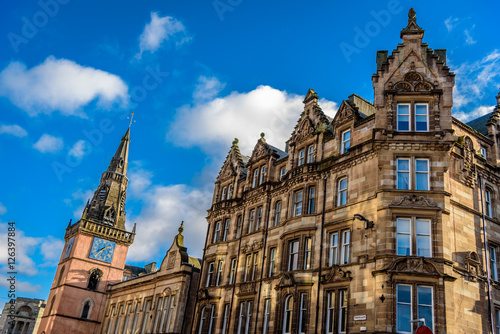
<point>95,276</point>
<point>59,279</point>
<point>87,307</point>
<point>24,310</point>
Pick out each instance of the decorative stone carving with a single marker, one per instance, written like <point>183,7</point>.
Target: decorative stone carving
<point>414,201</point>
<point>247,288</point>
<point>286,280</point>
<point>304,130</point>
<point>469,168</point>
<point>413,265</point>
<point>336,274</point>
<point>171,259</point>
<point>473,265</point>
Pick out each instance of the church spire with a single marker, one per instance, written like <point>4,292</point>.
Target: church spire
<point>108,203</point>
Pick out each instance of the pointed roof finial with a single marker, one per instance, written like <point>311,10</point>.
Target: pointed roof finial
<point>181,228</point>
<point>235,141</point>
<point>131,119</point>
<point>133,230</point>
<point>262,135</point>
<point>412,28</point>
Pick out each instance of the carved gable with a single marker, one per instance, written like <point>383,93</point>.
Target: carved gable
<point>233,164</point>
<point>260,150</point>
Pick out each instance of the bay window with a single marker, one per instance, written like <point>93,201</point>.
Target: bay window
<point>405,175</point>
<point>298,197</point>
<point>413,302</point>
<point>413,237</point>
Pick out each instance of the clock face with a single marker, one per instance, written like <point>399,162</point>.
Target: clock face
<point>102,250</point>
<point>69,247</point>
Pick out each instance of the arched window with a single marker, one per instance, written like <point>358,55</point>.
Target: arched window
<point>24,311</point>
<point>61,273</point>
<point>287,318</point>
<point>94,278</point>
<point>52,303</point>
<point>102,193</point>
<point>87,306</point>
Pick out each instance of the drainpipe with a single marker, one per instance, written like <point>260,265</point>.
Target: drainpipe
<point>201,278</point>
<point>318,330</point>
<point>487,255</point>
<point>236,270</point>
<point>263,260</point>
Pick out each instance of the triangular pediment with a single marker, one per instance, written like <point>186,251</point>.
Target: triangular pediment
<point>233,163</point>
<point>411,75</point>
<point>260,150</point>
<point>345,113</point>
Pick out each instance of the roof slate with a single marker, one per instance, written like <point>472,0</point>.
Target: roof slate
<point>479,124</point>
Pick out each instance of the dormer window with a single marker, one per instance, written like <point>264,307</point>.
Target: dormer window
<point>262,174</point>
<point>421,117</point>
<point>302,154</point>
<point>346,141</point>
<point>282,172</point>
<point>255,178</point>
<point>310,154</point>
<point>482,151</point>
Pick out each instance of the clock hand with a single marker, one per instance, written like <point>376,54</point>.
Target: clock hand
<point>101,250</point>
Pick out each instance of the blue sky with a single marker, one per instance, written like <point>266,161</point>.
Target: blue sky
<point>197,74</point>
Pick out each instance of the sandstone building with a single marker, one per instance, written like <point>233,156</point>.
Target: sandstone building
<point>21,316</point>
<point>366,221</point>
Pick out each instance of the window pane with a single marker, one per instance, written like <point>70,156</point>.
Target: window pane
<point>423,227</point>
<point>421,109</point>
<point>343,184</point>
<point>403,123</point>
<point>423,246</point>
<point>403,225</point>
<point>404,165</point>
<point>403,244</point>
<point>421,165</point>
<point>404,294</point>
<point>403,318</point>
<point>422,181</point>
<point>403,109</point>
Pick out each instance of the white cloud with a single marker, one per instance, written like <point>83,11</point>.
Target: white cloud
<point>14,130</point>
<point>60,84</point>
<point>140,179</point>
<point>207,88</point>
<point>20,285</point>
<point>476,113</point>
<point>25,248</point>
<point>51,249</point>
<point>451,23</point>
<point>213,125</point>
<point>163,210</point>
<point>78,200</point>
<point>159,30</point>
<point>468,38</point>
<point>473,80</point>
<point>3,209</point>
<point>49,144</point>
<point>78,149</point>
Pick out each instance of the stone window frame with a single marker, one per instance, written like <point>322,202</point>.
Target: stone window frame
<point>338,190</point>
<point>414,303</point>
<point>488,204</point>
<point>343,149</point>
<point>412,102</point>
<point>247,316</point>
<point>301,237</point>
<point>413,234</point>
<point>275,214</point>
<point>494,271</point>
<point>412,172</point>
<point>305,188</point>
<point>336,308</point>
<point>340,232</point>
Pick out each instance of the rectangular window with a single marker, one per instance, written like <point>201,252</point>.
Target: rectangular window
<point>229,192</point>
<point>282,172</point>
<point>303,314</point>
<point>212,319</point>
<point>421,117</point>
<point>310,154</point>
<point>403,117</point>
<point>251,219</point>
<point>342,311</point>
<point>403,174</point>
<point>403,308</point>
<point>307,253</point>
<point>226,229</point>
<point>255,263</point>
<point>346,141</point>
<point>249,318</point>
<point>403,236</point>
<point>302,157</point>
<point>334,249</point>
<point>487,201</point>
<point>493,264</point>
<point>298,197</point>
<point>217,232</point>
<point>267,315</point>
<point>248,267</point>
<point>422,174</point>
<point>482,151</point>
<point>244,317</point>
<point>239,226</point>
<point>293,255</point>
<point>342,192</point>
<point>145,319</point>
<point>346,240</point>
<point>330,312</point>
<point>262,174</point>
<point>425,309</point>
<point>312,197</point>
<point>232,271</point>
<point>219,273</point>
<point>272,261</point>
<point>277,214</point>
<point>255,178</point>
<point>210,273</point>
<point>223,194</point>
<point>408,235</point>
<point>225,322</point>
<point>259,218</point>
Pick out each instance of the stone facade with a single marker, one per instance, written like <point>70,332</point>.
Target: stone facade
<point>365,221</point>
<point>21,316</point>
<point>161,301</point>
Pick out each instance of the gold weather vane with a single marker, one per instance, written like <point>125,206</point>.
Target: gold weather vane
<point>131,119</point>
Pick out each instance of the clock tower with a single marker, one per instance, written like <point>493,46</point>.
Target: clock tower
<point>94,255</point>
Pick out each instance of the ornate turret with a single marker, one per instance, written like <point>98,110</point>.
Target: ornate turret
<point>412,28</point>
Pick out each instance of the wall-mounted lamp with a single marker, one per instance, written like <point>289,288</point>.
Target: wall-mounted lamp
<point>368,223</point>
